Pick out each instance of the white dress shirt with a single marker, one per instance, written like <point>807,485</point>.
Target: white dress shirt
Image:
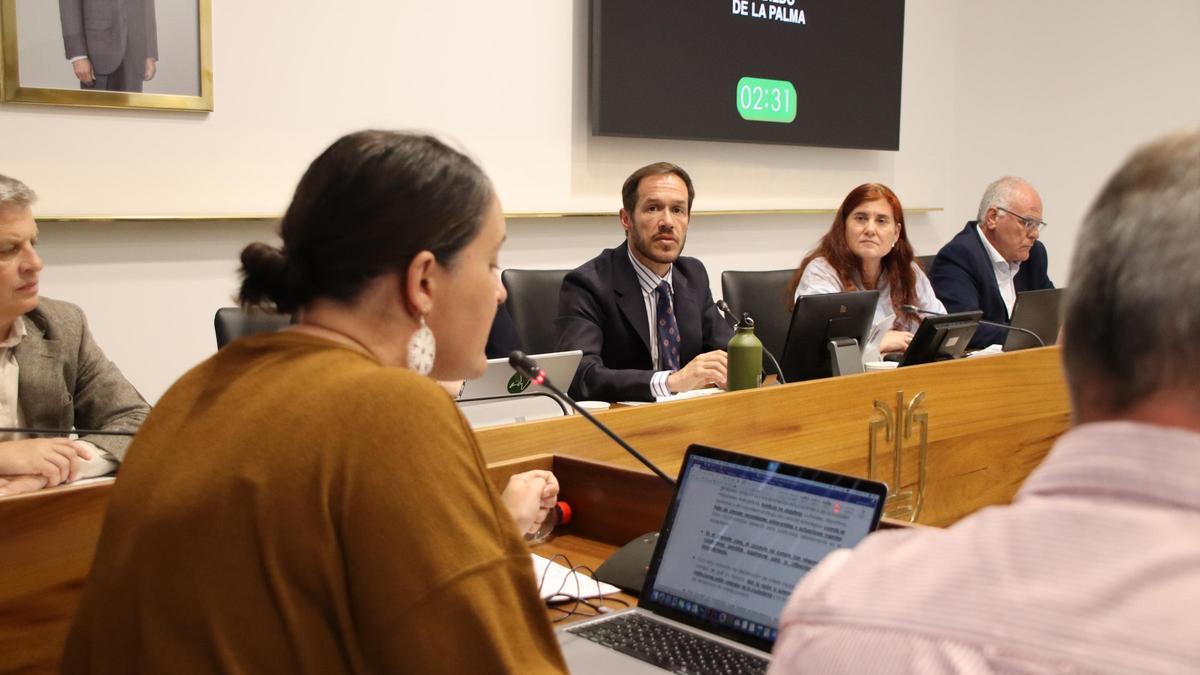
<point>648,281</point>
<point>1094,567</point>
<point>10,374</point>
<point>1005,272</point>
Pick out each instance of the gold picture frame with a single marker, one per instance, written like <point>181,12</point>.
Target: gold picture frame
<point>49,74</point>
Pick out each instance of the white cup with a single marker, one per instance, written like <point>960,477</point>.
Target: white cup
<point>880,365</point>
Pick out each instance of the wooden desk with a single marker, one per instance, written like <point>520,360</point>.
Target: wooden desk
<point>991,420</point>
<point>45,554</point>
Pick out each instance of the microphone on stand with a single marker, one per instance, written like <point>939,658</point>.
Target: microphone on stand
<point>917,310</point>
<point>627,567</point>
<point>731,318</point>
<point>529,368</point>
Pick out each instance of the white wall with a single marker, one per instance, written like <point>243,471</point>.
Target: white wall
<point>150,289</point>
<point>1061,93</point>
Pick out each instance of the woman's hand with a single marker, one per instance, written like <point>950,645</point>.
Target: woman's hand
<point>895,341</point>
<point>529,497</point>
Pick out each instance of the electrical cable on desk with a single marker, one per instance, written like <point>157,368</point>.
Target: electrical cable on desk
<point>597,607</point>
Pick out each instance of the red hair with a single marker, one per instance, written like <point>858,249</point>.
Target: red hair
<point>896,266</point>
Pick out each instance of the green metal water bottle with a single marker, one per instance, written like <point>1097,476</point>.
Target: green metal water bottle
<point>745,357</point>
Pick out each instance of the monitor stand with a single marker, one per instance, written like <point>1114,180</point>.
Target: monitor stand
<point>845,357</point>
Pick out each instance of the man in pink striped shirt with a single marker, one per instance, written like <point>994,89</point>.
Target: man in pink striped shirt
<point>1095,566</point>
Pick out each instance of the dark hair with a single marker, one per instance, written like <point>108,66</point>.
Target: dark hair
<point>897,265</point>
<point>629,191</point>
<point>367,206</point>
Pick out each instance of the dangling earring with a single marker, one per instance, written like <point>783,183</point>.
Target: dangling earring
<point>421,349</point>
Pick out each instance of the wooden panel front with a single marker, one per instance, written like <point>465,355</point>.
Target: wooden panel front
<point>45,554</point>
<point>991,421</point>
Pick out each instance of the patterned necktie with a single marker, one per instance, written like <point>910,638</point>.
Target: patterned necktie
<point>668,330</point>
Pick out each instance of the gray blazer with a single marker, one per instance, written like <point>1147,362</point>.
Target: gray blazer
<point>66,381</point>
<point>103,30</point>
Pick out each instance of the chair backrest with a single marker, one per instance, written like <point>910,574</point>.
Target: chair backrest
<point>232,323</point>
<point>926,262</point>
<point>763,295</point>
<point>533,304</point>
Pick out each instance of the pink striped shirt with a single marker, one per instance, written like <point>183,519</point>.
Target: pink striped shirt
<point>1095,567</point>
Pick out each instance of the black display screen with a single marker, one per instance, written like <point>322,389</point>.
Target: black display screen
<point>803,72</point>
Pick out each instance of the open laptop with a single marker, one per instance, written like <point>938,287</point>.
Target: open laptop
<point>501,380</point>
<point>1037,311</point>
<point>501,396</point>
<point>740,533</point>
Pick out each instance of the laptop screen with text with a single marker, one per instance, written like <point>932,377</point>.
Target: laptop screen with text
<point>741,533</point>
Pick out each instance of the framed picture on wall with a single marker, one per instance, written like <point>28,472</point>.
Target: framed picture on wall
<point>107,53</point>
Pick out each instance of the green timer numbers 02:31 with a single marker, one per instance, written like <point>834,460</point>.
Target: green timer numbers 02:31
<point>760,100</point>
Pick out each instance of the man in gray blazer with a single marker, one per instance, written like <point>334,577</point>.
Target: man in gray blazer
<point>52,373</point>
<point>111,44</point>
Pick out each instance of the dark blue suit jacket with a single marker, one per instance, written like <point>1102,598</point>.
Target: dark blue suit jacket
<point>502,339</point>
<point>601,311</point>
<point>964,280</point>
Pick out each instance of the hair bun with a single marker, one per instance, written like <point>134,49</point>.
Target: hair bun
<point>270,276</point>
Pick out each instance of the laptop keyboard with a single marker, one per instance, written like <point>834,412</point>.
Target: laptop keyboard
<point>668,647</point>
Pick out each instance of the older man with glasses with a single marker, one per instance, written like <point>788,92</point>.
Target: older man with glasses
<point>995,257</point>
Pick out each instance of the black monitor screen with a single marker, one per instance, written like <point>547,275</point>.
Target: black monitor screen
<point>803,72</point>
<point>818,319</point>
<point>941,337</point>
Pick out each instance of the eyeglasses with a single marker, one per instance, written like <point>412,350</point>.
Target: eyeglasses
<point>1031,224</point>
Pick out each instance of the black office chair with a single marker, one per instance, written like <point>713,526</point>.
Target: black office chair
<point>533,304</point>
<point>764,296</point>
<point>926,262</point>
<point>232,323</point>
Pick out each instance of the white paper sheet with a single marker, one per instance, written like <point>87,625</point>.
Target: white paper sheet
<point>559,583</point>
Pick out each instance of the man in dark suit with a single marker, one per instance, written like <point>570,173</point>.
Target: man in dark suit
<point>111,44</point>
<point>52,373</point>
<point>643,315</point>
<point>994,258</point>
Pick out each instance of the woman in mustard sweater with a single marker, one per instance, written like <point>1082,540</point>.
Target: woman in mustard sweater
<point>311,501</point>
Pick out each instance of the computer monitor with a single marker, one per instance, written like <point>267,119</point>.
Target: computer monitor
<point>941,337</point>
<point>819,320</point>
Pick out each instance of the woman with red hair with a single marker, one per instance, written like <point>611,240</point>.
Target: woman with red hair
<point>867,248</point>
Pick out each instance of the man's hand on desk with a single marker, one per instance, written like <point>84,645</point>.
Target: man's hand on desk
<point>529,497</point>
<point>15,485</point>
<point>707,368</point>
<point>54,460</point>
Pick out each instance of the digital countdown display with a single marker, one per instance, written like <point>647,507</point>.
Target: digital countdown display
<point>800,72</point>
